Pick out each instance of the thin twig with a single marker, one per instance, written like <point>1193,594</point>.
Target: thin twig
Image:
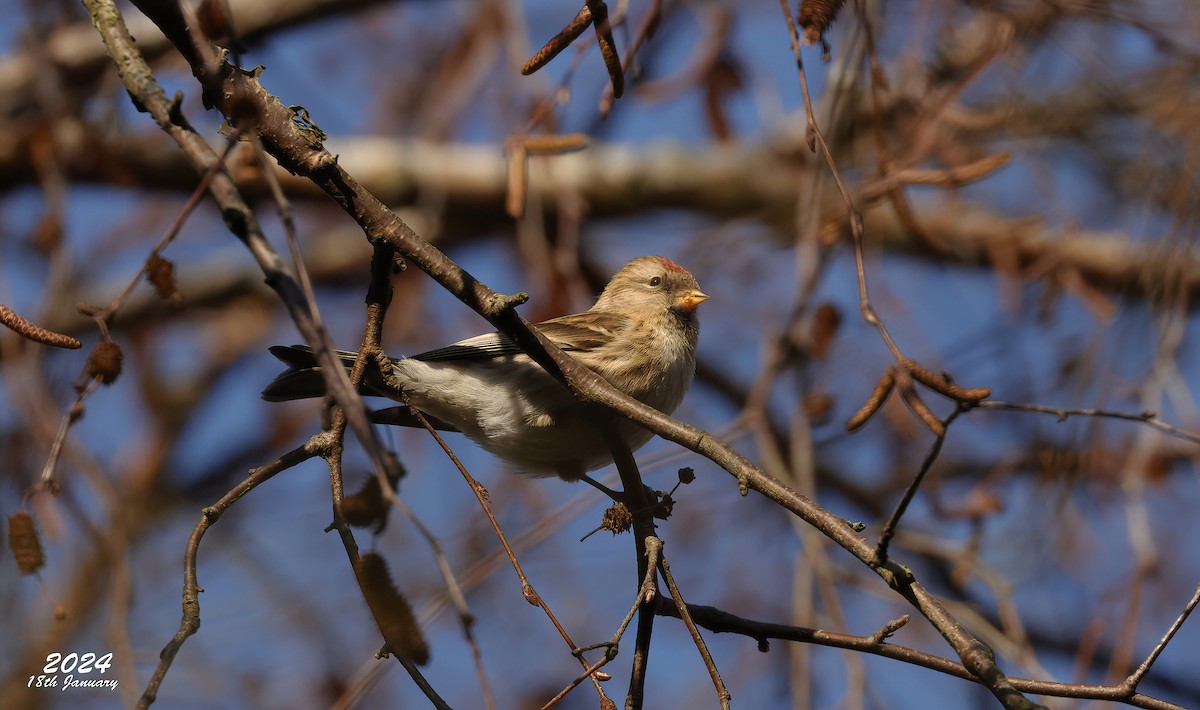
<point>198,194</point>
<point>466,618</point>
<point>720,621</point>
<point>283,207</point>
<point>889,529</point>
<point>647,591</point>
<point>589,672</point>
<point>481,496</point>
<point>884,159</point>
<point>102,317</point>
<point>1064,413</point>
<point>1131,683</point>
<point>48,478</point>
<point>856,221</point>
<point>644,538</point>
<point>191,586</point>
<point>681,606</point>
<point>1010,638</point>
<point>379,296</point>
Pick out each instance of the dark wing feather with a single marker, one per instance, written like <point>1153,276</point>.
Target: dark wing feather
<point>401,416</point>
<point>480,347</point>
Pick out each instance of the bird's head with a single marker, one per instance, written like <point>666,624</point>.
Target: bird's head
<point>651,284</point>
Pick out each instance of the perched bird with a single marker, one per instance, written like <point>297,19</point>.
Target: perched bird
<point>640,336</point>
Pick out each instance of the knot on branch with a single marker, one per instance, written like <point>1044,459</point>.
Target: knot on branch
<point>499,303</point>
<point>888,629</point>
<point>980,660</point>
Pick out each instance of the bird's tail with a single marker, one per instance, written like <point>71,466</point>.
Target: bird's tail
<point>302,379</point>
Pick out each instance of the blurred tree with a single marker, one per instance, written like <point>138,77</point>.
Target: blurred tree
<point>927,200</point>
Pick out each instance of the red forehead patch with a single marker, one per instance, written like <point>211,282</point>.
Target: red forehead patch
<point>672,266</point>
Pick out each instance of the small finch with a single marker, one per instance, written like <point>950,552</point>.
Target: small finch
<point>640,336</point>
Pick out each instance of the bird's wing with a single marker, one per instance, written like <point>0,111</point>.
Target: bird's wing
<point>573,332</point>
<point>585,331</point>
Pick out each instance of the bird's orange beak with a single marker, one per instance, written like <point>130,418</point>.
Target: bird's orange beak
<point>688,301</point>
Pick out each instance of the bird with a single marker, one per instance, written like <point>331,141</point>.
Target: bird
<point>640,336</point>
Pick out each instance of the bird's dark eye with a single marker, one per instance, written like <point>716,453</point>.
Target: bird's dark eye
<point>655,280</point>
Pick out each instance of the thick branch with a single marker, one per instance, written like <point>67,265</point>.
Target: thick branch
<point>756,180</point>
